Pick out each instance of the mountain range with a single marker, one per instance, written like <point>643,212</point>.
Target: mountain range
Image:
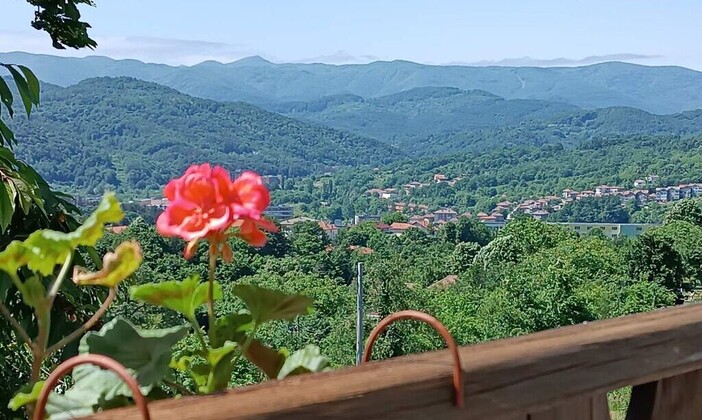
<point>131,135</point>
<point>661,90</point>
<point>127,134</point>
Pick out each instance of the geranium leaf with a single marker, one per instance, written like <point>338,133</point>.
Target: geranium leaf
<point>267,305</point>
<point>231,327</point>
<point>116,267</point>
<point>181,296</point>
<point>147,352</point>
<point>44,249</point>
<point>306,360</point>
<point>93,388</point>
<point>33,292</point>
<point>221,367</point>
<point>267,359</point>
<point>234,327</point>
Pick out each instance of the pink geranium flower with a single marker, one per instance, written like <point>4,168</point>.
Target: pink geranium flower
<point>204,203</point>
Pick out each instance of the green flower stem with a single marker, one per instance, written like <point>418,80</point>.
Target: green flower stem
<point>89,323</point>
<point>245,347</point>
<point>178,387</point>
<point>59,279</point>
<point>18,328</point>
<point>198,332</point>
<point>210,290</point>
<point>43,315</point>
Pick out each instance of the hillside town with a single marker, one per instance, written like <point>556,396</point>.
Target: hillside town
<point>420,216</point>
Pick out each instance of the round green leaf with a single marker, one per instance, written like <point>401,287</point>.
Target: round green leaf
<point>181,296</point>
<point>267,305</point>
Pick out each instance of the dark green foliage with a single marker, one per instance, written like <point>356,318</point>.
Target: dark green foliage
<point>687,210</point>
<point>606,209</point>
<point>61,20</point>
<point>656,260</point>
<point>465,230</point>
<point>391,218</point>
<point>412,116</point>
<point>129,135</point>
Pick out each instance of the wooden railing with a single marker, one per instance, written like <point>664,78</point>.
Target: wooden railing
<point>557,374</point>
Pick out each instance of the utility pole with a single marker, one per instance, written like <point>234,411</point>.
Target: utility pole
<point>359,314</point>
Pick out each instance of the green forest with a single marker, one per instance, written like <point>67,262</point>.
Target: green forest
<point>128,135</point>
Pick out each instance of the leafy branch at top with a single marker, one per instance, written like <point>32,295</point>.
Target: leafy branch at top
<point>61,20</point>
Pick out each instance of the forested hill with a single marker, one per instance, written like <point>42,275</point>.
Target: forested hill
<point>660,90</point>
<point>411,116</point>
<point>445,119</point>
<point>569,129</point>
<point>128,134</point>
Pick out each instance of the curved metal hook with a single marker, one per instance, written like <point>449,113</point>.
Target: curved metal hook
<point>93,359</point>
<point>439,327</point>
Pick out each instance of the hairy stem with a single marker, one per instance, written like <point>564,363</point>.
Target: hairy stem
<point>198,332</point>
<point>210,289</point>
<point>56,285</point>
<point>245,347</point>
<point>43,315</point>
<point>18,328</point>
<point>88,324</point>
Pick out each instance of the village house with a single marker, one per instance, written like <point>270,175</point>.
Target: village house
<point>398,228</point>
<point>661,195</point>
<point>639,183</point>
<point>569,194</point>
<point>440,178</point>
<point>445,215</point>
<point>382,227</point>
<point>686,191</point>
<point>606,190</point>
<point>358,219</point>
<point>389,194</point>
<point>641,197</point>
<point>539,214</point>
<point>330,229</point>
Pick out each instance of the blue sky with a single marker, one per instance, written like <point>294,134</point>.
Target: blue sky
<point>336,31</point>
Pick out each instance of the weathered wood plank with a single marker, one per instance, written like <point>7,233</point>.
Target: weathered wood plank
<point>502,378</point>
<point>582,408</point>
<point>679,397</point>
<point>600,407</point>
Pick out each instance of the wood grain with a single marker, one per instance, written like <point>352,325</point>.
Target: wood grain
<point>502,378</point>
<point>679,397</point>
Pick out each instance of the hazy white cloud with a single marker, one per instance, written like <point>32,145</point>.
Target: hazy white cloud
<point>147,49</point>
<point>340,57</point>
<point>561,61</point>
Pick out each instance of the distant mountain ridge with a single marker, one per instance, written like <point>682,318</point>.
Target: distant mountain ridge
<point>661,90</point>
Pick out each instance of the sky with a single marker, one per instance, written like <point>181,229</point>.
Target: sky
<point>507,32</point>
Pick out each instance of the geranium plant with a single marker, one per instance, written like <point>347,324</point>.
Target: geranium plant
<point>204,205</point>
